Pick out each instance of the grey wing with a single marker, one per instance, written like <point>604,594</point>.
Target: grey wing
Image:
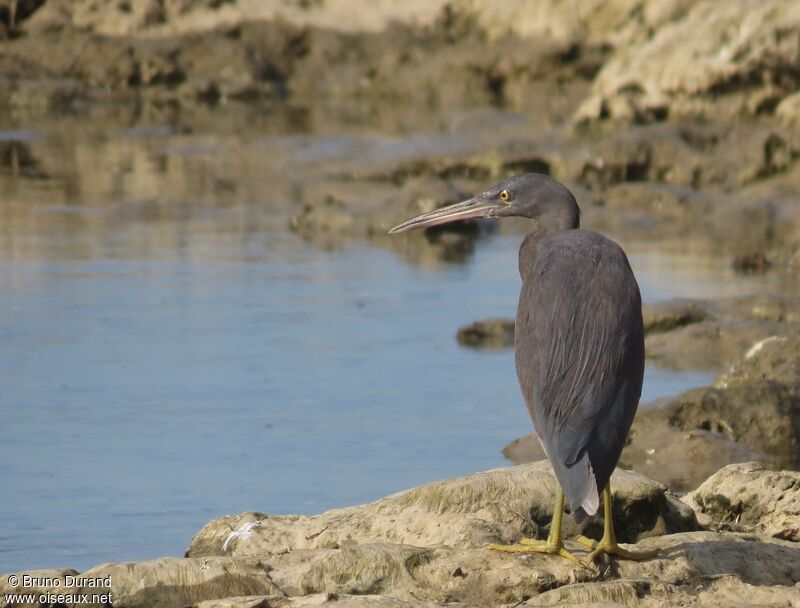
<point>580,361</point>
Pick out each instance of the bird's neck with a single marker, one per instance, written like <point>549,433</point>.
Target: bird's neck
<point>564,217</point>
<point>552,224</point>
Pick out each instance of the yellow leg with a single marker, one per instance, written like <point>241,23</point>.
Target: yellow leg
<point>552,545</point>
<point>608,544</point>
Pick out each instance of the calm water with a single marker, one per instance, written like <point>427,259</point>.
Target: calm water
<point>169,356</point>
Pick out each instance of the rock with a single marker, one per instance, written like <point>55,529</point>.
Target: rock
<point>774,358</point>
<point>788,110</point>
<point>425,53</point>
<point>340,209</point>
<point>712,344</point>
<point>498,506</point>
<point>714,61</point>
<point>774,308</point>
<point>671,314</point>
<point>491,333</point>
<point>750,498</point>
<point>750,558</point>
<point>192,16</point>
<point>751,263</point>
<point>250,601</point>
<point>36,582</point>
<point>171,581</point>
<point>650,156</point>
<point>680,459</point>
<point>474,576</point>
<point>722,590</point>
<point>732,591</point>
<point>727,330</point>
<point>322,599</point>
<point>763,415</point>
<point>485,577</point>
<point>688,564</point>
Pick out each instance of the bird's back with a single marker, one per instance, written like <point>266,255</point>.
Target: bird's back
<point>579,345</point>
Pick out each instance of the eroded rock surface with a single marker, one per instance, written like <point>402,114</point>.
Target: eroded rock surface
<point>734,59</point>
<point>497,506</point>
<point>747,497</point>
<point>490,333</point>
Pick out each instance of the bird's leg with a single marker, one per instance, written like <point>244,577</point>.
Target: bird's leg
<point>552,545</point>
<point>608,544</point>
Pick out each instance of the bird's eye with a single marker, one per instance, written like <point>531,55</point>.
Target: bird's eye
<point>505,195</point>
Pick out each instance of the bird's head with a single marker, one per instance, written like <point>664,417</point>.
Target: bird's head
<point>530,195</point>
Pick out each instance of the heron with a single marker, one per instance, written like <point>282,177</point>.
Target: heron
<point>579,347</point>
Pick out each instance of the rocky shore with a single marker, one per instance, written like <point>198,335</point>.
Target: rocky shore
<point>732,541</point>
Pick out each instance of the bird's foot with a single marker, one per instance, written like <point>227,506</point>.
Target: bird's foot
<point>610,547</point>
<point>529,545</point>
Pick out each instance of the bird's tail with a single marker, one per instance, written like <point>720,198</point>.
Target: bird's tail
<point>580,487</point>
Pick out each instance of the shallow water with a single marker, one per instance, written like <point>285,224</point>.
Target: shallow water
<point>170,353</point>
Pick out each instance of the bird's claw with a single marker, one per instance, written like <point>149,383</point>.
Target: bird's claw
<point>529,545</point>
<point>621,553</point>
<point>586,541</point>
<point>612,548</point>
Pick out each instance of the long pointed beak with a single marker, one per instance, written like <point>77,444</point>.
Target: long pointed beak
<point>472,208</point>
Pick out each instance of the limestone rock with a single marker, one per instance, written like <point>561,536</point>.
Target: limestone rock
<point>171,581</point>
<point>489,333</point>
<point>322,599</point>
<point>36,582</point>
<point>733,58</point>
<point>594,23</point>
<point>776,358</point>
<point>671,314</point>
<point>680,459</point>
<point>724,590</point>
<point>687,567</point>
<point>190,16</point>
<point>760,414</point>
<point>682,557</point>
<point>726,335</point>
<point>788,110</point>
<point>748,497</point>
<point>247,601</point>
<point>442,574</point>
<point>712,344</point>
<point>501,505</point>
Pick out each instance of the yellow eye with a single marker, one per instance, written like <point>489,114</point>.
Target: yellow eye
<point>505,195</point>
